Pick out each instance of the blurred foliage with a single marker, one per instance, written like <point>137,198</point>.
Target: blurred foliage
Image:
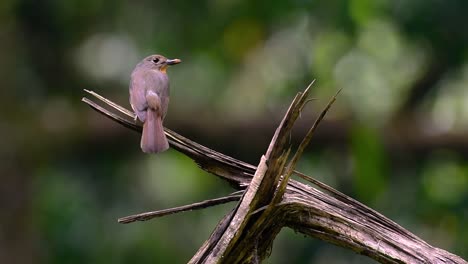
<point>68,173</point>
<point>369,164</point>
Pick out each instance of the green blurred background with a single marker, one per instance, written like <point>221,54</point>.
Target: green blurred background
<point>396,139</point>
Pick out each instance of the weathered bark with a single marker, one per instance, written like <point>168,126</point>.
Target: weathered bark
<point>271,201</point>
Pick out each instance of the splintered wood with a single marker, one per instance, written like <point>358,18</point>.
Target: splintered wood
<point>269,200</point>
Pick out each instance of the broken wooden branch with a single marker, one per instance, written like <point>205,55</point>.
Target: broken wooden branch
<point>194,206</point>
<point>270,201</point>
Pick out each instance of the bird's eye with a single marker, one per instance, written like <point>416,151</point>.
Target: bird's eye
<point>156,60</point>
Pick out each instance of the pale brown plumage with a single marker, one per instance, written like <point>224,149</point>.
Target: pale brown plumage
<point>149,98</point>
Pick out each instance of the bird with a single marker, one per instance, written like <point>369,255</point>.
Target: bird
<point>149,98</point>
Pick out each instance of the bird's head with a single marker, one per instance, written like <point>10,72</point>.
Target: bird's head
<point>160,62</point>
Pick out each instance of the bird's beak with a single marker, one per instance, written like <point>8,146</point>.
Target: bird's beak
<point>173,61</point>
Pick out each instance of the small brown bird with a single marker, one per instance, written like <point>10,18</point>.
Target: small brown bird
<point>149,97</point>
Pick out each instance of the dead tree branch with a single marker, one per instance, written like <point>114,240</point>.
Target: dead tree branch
<point>270,201</point>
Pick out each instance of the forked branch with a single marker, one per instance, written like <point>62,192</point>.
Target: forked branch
<point>269,200</point>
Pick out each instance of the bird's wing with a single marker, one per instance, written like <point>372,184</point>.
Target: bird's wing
<point>138,95</point>
<point>160,86</point>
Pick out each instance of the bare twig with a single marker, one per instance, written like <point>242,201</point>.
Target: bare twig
<point>126,123</point>
<point>112,104</point>
<point>194,206</point>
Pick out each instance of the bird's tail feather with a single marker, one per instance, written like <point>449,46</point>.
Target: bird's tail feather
<point>153,139</point>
